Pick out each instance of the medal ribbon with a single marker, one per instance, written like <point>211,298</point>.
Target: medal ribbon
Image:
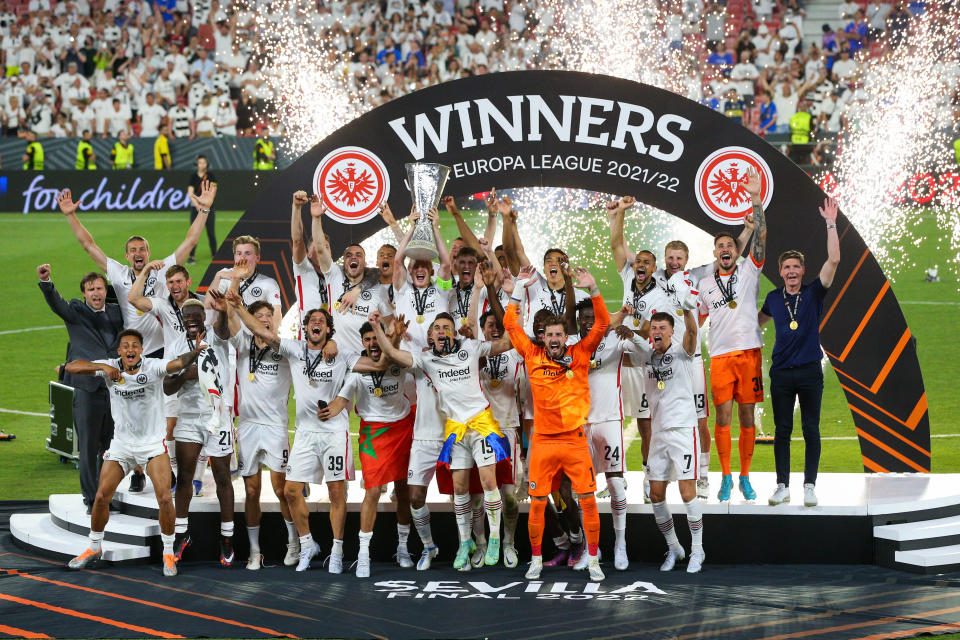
<point>420,301</point>
<point>176,309</point>
<point>322,285</point>
<point>637,295</point>
<point>726,291</point>
<point>796,307</point>
<point>464,306</point>
<point>246,283</point>
<point>377,379</point>
<point>493,365</point>
<point>256,357</point>
<point>347,287</point>
<point>558,309</point>
<point>656,372</point>
<point>147,293</point>
<point>311,367</point>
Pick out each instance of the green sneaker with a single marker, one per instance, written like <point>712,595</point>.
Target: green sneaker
<point>462,561</point>
<point>493,552</point>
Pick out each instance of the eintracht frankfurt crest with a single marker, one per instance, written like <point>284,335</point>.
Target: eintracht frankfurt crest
<point>352,182</point>
<point>720,184</point>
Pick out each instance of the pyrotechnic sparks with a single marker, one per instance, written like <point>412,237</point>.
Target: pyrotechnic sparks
<point>899,127</point>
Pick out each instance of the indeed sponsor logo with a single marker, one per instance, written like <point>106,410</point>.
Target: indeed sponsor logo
<point>454,373</point>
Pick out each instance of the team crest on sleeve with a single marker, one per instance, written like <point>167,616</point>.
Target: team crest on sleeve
<point>141,378</point>
<point>353,182</point>
<point>256,292</point>
<point>721,180</point>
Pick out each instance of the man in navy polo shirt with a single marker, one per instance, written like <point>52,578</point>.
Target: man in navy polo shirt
<point>795,371</point>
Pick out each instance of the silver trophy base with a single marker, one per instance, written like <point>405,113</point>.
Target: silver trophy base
<point>422,253</point>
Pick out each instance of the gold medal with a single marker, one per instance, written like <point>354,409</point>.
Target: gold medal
<point>793,325</point>
<point>569,374</point>
<point>120,381</point>
<point>419,319</point>
<point>336,306</point>
<point>732,304</point>
<point>377,391</point>
<point>251,376</point>
<point>464,321</point>
<point>680,312</point>
<point>636,322</point>
<point>593,364</point>
<point>325,306</point>
<point>139,313</point>
<point>494,383</point>
<point>661,385</point>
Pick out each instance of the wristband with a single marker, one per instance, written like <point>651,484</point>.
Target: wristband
<point>516,301</point>
<point>204,210</point>
<point>831,226</point>
<point>444,285</point>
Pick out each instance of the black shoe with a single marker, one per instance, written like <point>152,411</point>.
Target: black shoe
<point>180,543</point>
<point>89,509</point>
<point>190,260</point>
<point>226,551</point>
<point>136,482</point>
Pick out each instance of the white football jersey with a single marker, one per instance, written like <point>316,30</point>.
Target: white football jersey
<point>430,301</point>
<point>315,379</point>
<point>347,325</point>
<point>256,287</point>
<point>652,298</point>
<point>541,296</point>
<point>390,406</point>
<point>456,377</point>
<point>174,337</point>
<point>429,421</point>
<point>215,362</point>
<point>696,274</point>
<point>604,377</point>
<point>500,378</point>
<point>136,403</point>
<point>672,407</point>
<point>311,288</point>
<point>734,329</point>
<point>262,400</point>
<point>484,303</point>
<point>121,276</point>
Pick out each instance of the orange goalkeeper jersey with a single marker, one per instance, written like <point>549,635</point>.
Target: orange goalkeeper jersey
<point>560,404</point>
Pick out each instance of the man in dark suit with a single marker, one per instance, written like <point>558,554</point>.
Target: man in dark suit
<point>93,327</point>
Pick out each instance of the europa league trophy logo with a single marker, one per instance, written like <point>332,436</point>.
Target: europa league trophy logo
<point>425,181</point>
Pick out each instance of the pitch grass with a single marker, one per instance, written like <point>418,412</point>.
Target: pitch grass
<point>28,471</point>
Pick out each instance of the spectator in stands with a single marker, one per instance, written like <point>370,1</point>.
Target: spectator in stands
<point>161,149</point>
<point>768,113</point>
<point>848,9</point>
<point>204,65</point>
<point>206,117</point>
<point>828,41</point>
<point>117,120</point>
<point>721,59</point>
<point>181,120</point>
<point>86,158</point>
<point>122,152</point>
<point>791,34</point>
<point>897,24</point>
<point>877,13</point>
<point>855,32</point>
<point>149,116</point>
<point>40,116</point>
<point>62,127</point>
<point>247,114</point>
<point>226,118</point>
<point>743,75</point>
<point>733,106</point>
<point>14,117</point>
<point>714,25</point>
<point>761,45</point>
<point>709,99</point>
<point>844,69</point>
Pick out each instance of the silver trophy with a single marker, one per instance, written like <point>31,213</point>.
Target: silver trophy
<point>425,181</point>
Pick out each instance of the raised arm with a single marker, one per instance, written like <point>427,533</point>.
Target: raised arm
<point>512,245</point>
<point>69,209</point>
<point>486,246</point>
<point>255,326</point>
<point>690,332</point>
<point>443,255</point>
<point>570,307</point>
<point>602,317</point>
<point>56,302</point>
<point>296,226</point>
<point>473,313</point>
<point>227,324</point>
<point>185,359</point>
<point>401,357</point>
<point>399,260</point>
<point>323,251</point>
<point>490,232</point>
<point>618,244</point>
<point>829,268</point>
<point>489,280</point>
<point>87,368</point>
<point>391,221</point>
<point>758,246</point>
<point>511,323</point>
<point>136,297</point>
<point>469,238</point>
<point>202,203</point>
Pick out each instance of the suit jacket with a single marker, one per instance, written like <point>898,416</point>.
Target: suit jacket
<point>93,336</point>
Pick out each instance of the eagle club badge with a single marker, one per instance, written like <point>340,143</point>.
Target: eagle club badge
<point>721,180</point>
<point>352,182</point>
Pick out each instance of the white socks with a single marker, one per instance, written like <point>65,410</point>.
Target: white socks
<point>618,506</point>
<point>421,522</point>
<point>253,534</point>
<point>338,547</point>
<point>226,529</point>
<point>306,542</point>
<point>172,451</point>
<point>665,521</point>
<point>364,543</point>
<point>291,531</point>
<point>403,533</point>
<point>463,513</point>
<point>704,463</point>
<point>167,541</point>
<point>476,519</point>
<point>493,505</point>
<point>695,522</point>
<point>96,540</point>
<point>180,525</point>
<point>562,541</point>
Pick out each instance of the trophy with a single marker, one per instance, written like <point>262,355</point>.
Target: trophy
<point>425,181</point>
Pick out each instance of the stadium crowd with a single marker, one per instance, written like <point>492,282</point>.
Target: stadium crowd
<point>128,66</point>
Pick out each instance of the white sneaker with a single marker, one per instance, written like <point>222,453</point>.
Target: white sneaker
<point>478,556</point>
<point>620,560</point>
<point>584,560</point>
<point>336,563</point>
<point>781,495</point>
<point>809,495</point>
<point>306,555</point>
<point>536,566</point>
<point>293,554</point>
<point>429,553</point>
<point>703,487</point>
<point>646,484</point>
<point>363,565</point>
<point>596,574</point>
<point>510,557</point>
<point>696,561</point>
<point>403,557</point>
<point>673,555</point>
<point>255,562</point>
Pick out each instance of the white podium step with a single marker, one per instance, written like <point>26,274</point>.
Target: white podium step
<point>68,512</point>
<point>39,531</point>
<point>935,560</point>
<point>915,531</point>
